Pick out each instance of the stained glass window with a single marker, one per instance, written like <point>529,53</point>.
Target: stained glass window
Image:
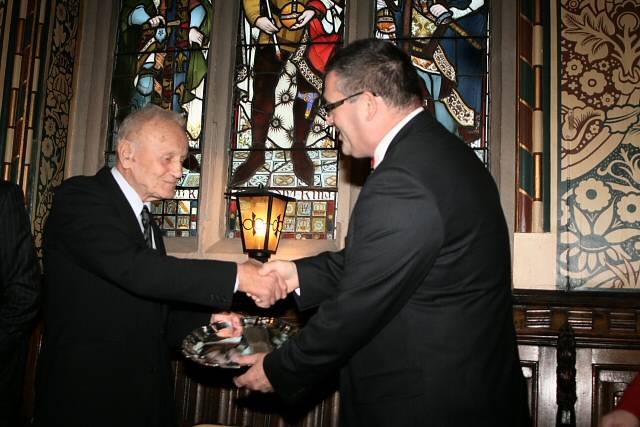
<point>161,58</point>
<point>449,44</point>
<point>280,138</point>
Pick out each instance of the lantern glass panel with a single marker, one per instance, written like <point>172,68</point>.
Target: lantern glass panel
<point>278,208</point>
<point>253,213</point>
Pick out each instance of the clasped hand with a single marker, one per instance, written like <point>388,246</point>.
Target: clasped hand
<point>267,283</point>
<point>255,377</point>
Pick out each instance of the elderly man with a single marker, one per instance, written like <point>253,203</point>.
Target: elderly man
<point>114,300</point>
<point>416,310</point>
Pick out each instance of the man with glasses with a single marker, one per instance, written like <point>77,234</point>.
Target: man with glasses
<point>415,312</point>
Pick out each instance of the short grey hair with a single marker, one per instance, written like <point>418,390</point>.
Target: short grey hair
<point>134,121</point>
<point>379,67</point>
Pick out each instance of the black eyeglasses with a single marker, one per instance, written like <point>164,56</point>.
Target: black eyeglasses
<point>330,106</point>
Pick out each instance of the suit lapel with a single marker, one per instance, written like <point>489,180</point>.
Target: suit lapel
<point>157,236</point>
<point>121,203</point>
<point>419,120</point>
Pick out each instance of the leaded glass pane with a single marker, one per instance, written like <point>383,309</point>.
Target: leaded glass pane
<point>161,58</point>
<point>281,139</point>
<point>448,43</point>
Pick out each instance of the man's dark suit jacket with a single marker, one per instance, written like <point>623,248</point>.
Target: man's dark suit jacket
<point>19,297</point>
<point>416,311</point>
<point>105,355</point>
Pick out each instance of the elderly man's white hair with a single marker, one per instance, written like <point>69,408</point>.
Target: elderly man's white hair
<point>134,121</point>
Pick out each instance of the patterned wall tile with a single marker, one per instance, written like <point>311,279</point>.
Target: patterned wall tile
<point>599,156</point>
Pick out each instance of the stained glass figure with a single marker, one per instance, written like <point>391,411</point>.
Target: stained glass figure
<point>161,58</point>
<point>448,44</point>
<point>281,139</point>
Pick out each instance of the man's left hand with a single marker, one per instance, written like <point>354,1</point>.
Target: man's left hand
<point>254,379</point>
<point>304,19</point>
<point>196,36</point>
<point>265,289</point>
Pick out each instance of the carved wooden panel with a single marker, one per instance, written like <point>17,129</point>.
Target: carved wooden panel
<point>566,377</point>
<point>611,371</point>
<point>207,395</point>
<point>606,341</point>
<point>602,319</point>
<point>539,369</point>
<point>609,385</point>
<point>530,362</point>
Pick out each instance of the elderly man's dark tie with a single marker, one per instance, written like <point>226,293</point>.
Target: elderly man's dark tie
<point>146,226</point>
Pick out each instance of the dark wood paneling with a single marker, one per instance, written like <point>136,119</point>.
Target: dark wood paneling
<point>207,395</point>
<point>606,335</point>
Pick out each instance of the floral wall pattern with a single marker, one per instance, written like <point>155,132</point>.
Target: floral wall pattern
<point>599,153</point>
<point>55,119</point>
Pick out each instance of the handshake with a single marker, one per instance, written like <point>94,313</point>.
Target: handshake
<point>269,282</point>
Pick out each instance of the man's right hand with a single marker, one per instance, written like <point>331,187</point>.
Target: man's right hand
<point>286,270</point>
<point>265,289</point>
<point>266,25</point>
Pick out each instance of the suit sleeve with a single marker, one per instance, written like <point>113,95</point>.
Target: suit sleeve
<point>85,226</point>
<point>394,237</point>
<point>20,279</point>
<point>182,320</point>
<point>320,275</point>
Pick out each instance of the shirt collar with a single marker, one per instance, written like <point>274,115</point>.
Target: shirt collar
<point>383,145</point>
<point>132,196</point>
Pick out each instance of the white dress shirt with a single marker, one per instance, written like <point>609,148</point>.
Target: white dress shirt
<point>133,198</point>
<point>383,145</point>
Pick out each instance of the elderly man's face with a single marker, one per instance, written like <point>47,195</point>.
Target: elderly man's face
<point>154,161</point>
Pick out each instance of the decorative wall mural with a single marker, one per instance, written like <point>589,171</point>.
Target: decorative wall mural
<point>58,95</point>
<point>599,157</point>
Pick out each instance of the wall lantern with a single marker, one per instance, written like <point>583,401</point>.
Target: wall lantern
<point>261,214</point>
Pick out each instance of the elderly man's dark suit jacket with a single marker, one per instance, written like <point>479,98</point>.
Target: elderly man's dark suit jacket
<point>19,297</point>
<point>105,358</point>
<point>416,310</point>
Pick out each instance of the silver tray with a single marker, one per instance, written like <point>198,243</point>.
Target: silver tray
<point>260,335</point>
